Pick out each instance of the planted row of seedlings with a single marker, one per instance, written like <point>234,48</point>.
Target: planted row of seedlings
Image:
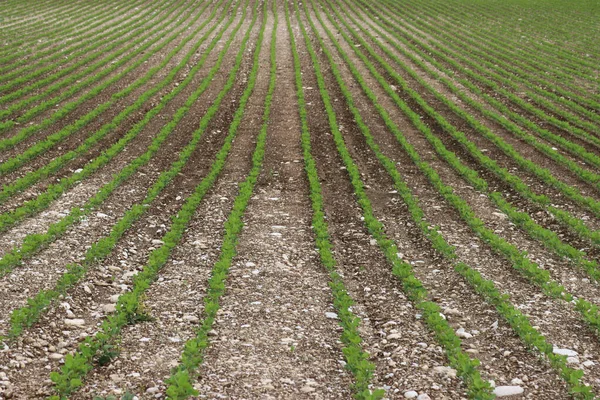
<point>584,174</point>
<point>87,77</point>
<point>54,191</point>
<point>531,337</point>
<point>93,165</point>
<point>34,242</point>
<point>113,41</point>
<point>522,62</point>
<point>563,66</point>
<point>547,237</point>
<point>128,308</point>
<point>563,60</point>
<point>494,82</point>
<point>530,269</point>
<point>12,58</point>
<point>28,315</point>
<point>509,178</point>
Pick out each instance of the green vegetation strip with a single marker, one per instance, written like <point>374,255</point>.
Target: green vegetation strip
<point>518,259</point>
<point>135,26</point>
<point>26,316</point>
<point>550,239</point>
<point>357,360</point>
<point>104,18</point>
<point>52,140</point>
<point>520,324</point>
<point>180,383</point>
<point>34,242</point>
<point>563,216</point>
<point>75,82</point>
<point>127,311</point>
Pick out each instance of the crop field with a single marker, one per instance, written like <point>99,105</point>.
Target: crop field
<point>285,199</point>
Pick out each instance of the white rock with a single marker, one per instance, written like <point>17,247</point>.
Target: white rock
<point>394,336</point>
<point>331,315</point>
<point>461,333</point>
<point>190,318</point>
<point>250,264</point>
<point>152,390</point>
<point>516,381</point>
<point>109,308</point>
<point>411,394</point>
<point>157,242</point>
<point>55,356</point>
<point>588,363</point>
<point>114,298</point>
<point>447,371</point>
<point>564,352</point>
<point>423,396</point>
<point>74,322</point>
<point>503,391</point>
<point>572,360</point>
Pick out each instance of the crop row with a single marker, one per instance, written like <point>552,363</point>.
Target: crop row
<point>67,88</point>
<point>29,314</point>
<point>46,37</point>
<point>56,164</point>
<point>32,243</point>
<point>486,288</point>
<point>512,180</point>
<point>128,305</point>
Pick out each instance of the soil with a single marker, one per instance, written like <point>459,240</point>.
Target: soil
<point>276,334</point>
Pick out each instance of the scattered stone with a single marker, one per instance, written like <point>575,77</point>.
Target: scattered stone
<point>572,360</point>
<point>109,308</point>
<point>157,242</point>
<point>423,396</point>
<point>461,333</point>
<point>74,322</point>
<point>55,356</point>
<point>190,318</point>
<point>446,371</point>
<point>307,389</point>
<point>331,315</point>
<point>503,391</point>
<point>411,394</point>
<point>152,390</point>
<point>588,363</point>
<point>516,382</point>
<point>564,352</point>
<point>394,336</point>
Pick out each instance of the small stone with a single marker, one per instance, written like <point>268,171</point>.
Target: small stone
<point>394,336</point>
<point>461,333</point>
<point>157,242</point>
<point>446,371</point>
<point>423,396</point>
<point>190,318</point>
<point>564,352</point>
<point>116,378</point>
<point>503,391</point>
<point>152,390</point>
<point>250,264</point>
<point>87,289</point>
<point>74,322</point>
<point>331,315</point>
<point>114,298</point>
<point>109,308</point>
<point>55,356</point>
<point>307,389</point>
<point>411,394</point>
<point>572,360</point>
<point>588,363</point>
<point>516,382</point>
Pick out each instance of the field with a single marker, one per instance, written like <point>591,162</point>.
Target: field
<point>282,199</point>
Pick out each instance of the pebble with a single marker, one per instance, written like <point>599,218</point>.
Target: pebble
<point>331,315</point>
<point>394,336</point>
<point>190,318</point>
<point>572,360</point>
<point>114,298</point>
<point>588,363</point>
<point>424,396</point>
<point>461,333</point>
<point>74,322</point>
<point>157,242</point>
<point>55,356</point>
<point>564,352</point>
<point>307,389</point>
<point>447,371</point>
<point>516,381</point>
<point>411,394</point>
<point>109,308</point>
<point>152,390</point>
<point>502,391</point>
